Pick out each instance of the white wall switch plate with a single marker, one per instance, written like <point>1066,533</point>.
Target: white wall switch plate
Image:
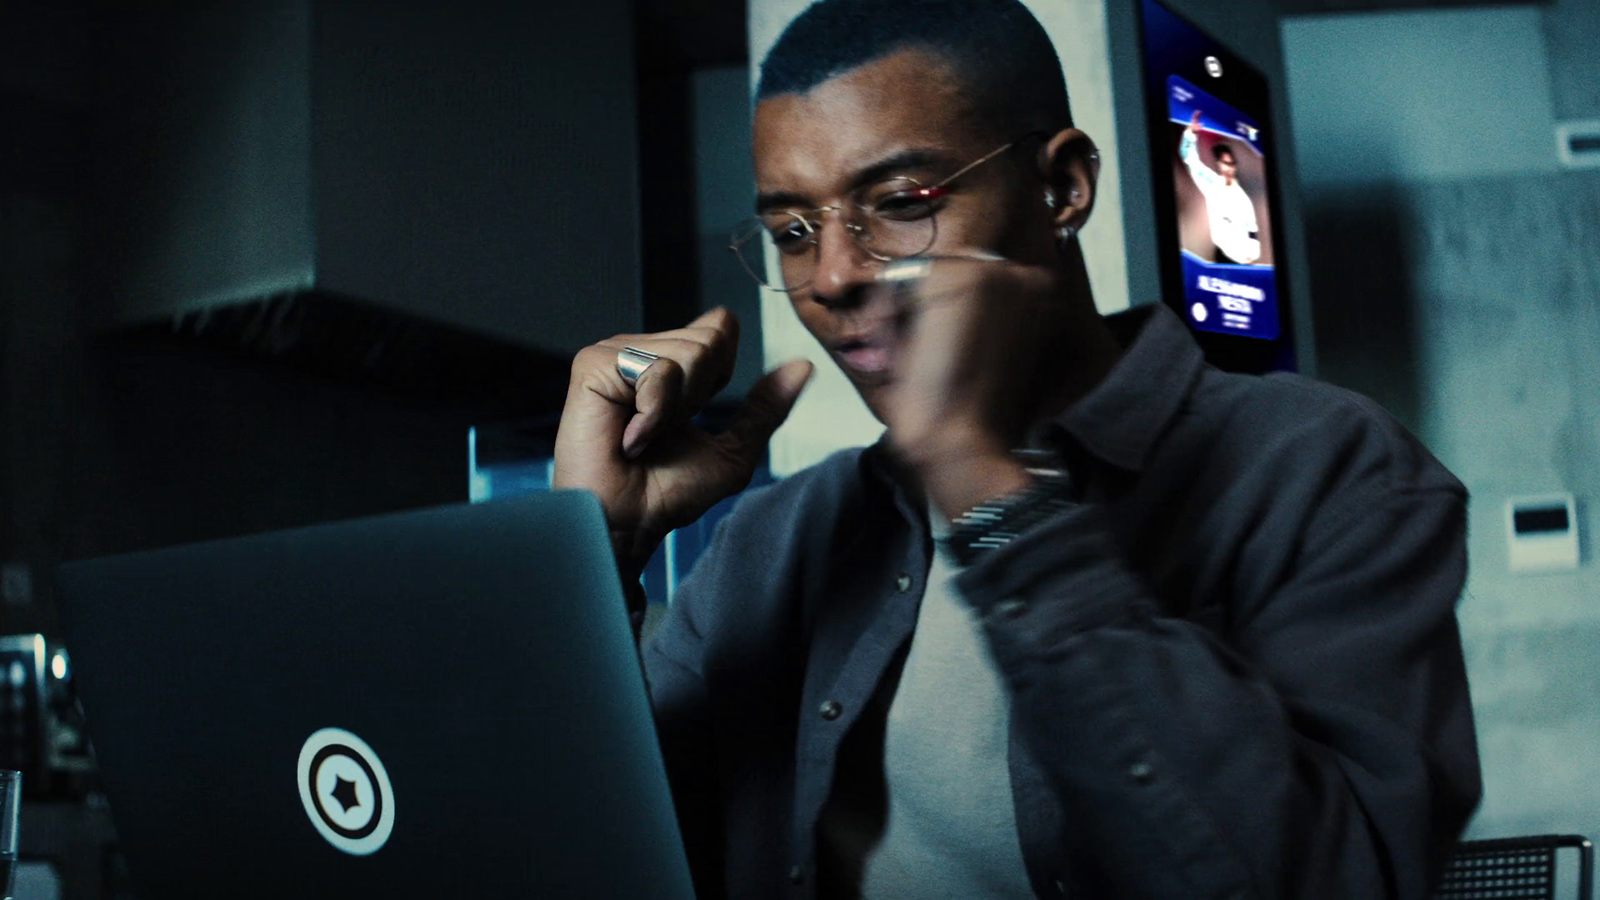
<point>1542,532</point>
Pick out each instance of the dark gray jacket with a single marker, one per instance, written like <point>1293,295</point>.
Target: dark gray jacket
<point>1234,668</point>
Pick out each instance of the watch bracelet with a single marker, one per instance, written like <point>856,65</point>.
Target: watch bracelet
<point>995,523</point>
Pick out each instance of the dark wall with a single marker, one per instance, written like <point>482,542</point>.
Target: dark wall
<point>109,443</point>
<point>479,165</point>
<point>475,167</point>
<point>200,141</point>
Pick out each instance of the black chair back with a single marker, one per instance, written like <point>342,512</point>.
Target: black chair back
<point>1520,868</point>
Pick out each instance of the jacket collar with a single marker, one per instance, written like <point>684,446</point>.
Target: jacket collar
<point>1121,420</point>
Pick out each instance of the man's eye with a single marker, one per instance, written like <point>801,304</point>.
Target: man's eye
<point>788,236</point>
<point>911,204</point>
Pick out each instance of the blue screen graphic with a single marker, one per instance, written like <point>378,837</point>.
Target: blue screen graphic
<point>1224,231</point>
<point>1229,286</point>
<point>1216,152</point>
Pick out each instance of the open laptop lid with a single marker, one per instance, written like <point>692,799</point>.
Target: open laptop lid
<point>480,658</point>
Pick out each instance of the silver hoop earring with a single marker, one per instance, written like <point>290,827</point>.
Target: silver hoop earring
<point>1049,198</point>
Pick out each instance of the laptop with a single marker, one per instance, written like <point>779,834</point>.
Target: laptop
<point>444,703</point>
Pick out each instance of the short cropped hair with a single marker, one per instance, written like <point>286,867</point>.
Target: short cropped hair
<point>996,47</point>
<point>1220,149</point>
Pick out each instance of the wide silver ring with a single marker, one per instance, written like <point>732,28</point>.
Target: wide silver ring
<point>631,363</point>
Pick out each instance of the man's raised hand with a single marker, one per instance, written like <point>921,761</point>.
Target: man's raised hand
<point>635,447</point>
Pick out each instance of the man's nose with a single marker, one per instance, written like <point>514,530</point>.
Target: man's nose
<point>844,267</point>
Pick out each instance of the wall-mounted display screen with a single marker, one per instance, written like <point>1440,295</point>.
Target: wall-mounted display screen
<point>1211,142</point>
<point>1224,220</point>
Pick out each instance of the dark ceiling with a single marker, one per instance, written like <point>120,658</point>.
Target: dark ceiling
<point>702,33</point>
<point>698,33</point>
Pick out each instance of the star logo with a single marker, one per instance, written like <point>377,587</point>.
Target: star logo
<point>345,792</point>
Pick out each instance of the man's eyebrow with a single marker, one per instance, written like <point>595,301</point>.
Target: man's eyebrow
<point>779,199</point>
<point>900,161</point>
<point>897,162</point>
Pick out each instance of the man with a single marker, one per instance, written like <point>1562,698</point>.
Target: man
<point>1228,207</point>
<point>1198,641</point>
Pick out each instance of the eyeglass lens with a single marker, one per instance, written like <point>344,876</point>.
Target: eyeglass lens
<point>889,220</point>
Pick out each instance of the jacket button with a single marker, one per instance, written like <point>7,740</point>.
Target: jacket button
<point>1141,772</point>
<point>903,583</point>
<point>830,709</point>
<point>797,875</point>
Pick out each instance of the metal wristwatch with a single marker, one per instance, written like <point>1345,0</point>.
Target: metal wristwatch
<point>995,523</point>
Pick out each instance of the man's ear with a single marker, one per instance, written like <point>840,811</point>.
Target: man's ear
<point>1070,165</point>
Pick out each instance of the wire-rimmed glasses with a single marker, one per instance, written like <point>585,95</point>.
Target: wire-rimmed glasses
<point>890,219</point>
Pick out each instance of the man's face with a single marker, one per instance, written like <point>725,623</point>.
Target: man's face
<point>1226,166</point>
<point>901,116</point>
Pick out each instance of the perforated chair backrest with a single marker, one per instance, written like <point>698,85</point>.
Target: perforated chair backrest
<point>1522,868</point>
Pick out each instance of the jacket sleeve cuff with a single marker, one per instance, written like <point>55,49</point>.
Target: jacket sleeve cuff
<point>1062,577</point>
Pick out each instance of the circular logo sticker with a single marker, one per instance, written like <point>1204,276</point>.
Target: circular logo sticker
<point>346,791</point>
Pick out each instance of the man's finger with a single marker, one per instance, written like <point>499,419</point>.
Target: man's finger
<point>706,355</point>
<point>914,281</point>
<point>705,368</point>
<point>657,397</point>
<point>719,329</point>
<point>720,319</point>
<point>765,408</point>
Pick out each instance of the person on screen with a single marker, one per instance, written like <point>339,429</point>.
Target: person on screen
<point>1092,619</point>
<point>1228,207</point>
